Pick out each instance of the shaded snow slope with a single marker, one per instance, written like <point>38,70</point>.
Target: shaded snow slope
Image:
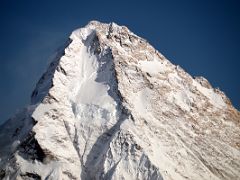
<point>112,107</point>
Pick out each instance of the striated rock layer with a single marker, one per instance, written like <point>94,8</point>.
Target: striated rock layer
<point>110,106</point>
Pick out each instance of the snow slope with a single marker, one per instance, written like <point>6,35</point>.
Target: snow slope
<point>110,106</point>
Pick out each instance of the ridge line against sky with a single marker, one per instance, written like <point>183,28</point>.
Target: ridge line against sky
<point>203,37</point>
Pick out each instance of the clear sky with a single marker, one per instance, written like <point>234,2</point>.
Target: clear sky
<point>203,37</point>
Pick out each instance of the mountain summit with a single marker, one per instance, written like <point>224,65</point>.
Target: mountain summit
<point>110,106</point>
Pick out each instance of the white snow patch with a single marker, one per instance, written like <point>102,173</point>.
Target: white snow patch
<point>153,67</point>
<point>141,103</point>
<point>81,33</point>
<point>180,98</point>
<point>214,98</point>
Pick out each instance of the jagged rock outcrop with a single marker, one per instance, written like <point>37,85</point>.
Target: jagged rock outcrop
<point>110,106</point>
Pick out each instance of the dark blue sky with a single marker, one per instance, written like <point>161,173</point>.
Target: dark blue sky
<point>201,36</point>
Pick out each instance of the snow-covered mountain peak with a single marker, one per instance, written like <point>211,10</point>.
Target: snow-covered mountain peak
<point>110,106</point>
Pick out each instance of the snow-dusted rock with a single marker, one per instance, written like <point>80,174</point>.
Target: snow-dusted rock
<point>110,106</point>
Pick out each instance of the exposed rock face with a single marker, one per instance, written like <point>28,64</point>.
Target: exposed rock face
<point>112,107</point>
